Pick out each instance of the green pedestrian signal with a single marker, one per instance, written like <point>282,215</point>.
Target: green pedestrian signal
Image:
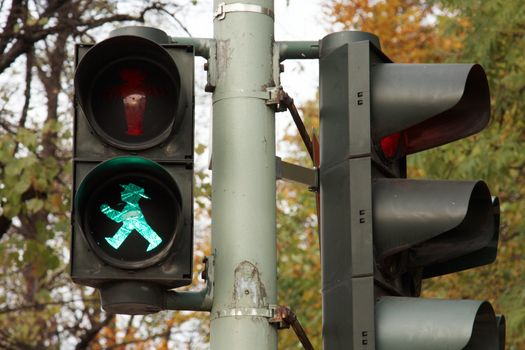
<point>131,217</point>
<point>130,211</point>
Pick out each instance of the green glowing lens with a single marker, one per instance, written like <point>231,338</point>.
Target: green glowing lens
<point>131,217</point>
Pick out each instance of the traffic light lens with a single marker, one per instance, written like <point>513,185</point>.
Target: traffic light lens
<point>130,211</point>
<point>394,146</point>
<point>390,145</point>
<point>130,217</point>
<point>133,102</point>
<point>133,92</point>
<point>129,89</point>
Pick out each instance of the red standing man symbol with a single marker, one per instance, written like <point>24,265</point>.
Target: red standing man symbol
<point>134,93</point>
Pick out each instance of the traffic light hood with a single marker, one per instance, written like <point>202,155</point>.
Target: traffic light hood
<point>485,255</point>
<point>405,324</point>
<point>439,222</point>
<point>430,104</point>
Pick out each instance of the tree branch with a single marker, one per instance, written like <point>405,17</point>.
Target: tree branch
<point>43,305</point>
<point>91,333</point>
<point>8,30</point>
<point>27,94</point>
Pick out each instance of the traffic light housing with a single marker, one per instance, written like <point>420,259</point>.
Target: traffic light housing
<point>132,220</point>
<point>381,233</point>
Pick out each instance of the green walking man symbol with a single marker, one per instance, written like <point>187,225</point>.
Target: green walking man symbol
<point>131,217</point>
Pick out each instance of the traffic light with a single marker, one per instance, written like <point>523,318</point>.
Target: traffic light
<point>382,233</point>
<point>132,220</point>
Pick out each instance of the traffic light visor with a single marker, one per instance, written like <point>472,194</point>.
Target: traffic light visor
<point>129,89</point>
<point>129,210</point>
<point>421,324</point>
<point>428,104</point>
<point>437,221</point>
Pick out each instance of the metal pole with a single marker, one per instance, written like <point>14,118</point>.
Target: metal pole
<point>298,50</point>
<point>243,197</point>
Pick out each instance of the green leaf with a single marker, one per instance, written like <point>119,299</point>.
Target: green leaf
<point>53,261</point>
<point>27,137</point>
<point>23,184</point>
<point>33,205</point>
<point>43,296</point>
<point>13,168</point>
<point>7,149</point>
<point>52,126</point>
<point>11,210</point>
<point>43,21</point>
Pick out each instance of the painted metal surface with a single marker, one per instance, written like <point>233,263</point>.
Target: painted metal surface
<point>243,197</point>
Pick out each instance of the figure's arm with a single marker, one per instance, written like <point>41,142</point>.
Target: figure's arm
<point>113,214</point>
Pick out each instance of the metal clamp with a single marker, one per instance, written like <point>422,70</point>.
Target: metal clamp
<point>275,98</point>
<point>223,9</point>
<point>246,312</point>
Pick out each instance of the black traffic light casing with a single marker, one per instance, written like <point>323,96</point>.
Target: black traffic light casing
<point>381,233</point>
<point>133,155</point>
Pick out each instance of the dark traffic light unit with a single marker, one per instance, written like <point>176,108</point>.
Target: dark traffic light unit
<point>132,222</point>
<point>381,233</point>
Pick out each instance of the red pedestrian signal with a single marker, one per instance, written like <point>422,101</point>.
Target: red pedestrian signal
<point>129,88</point>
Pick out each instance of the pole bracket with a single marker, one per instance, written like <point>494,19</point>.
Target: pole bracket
<point>268,312</point>
<point>297,173</point>
<point>284,317</point>
<point>275,98</point>
<point>201,300</point>
<point>223,9</point>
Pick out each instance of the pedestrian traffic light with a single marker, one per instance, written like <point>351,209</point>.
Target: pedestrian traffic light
<point>382,233</point>
<point>132,220</point>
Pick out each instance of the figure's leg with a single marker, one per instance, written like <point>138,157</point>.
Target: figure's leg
<point>151,236</point>
<point>119,237</point>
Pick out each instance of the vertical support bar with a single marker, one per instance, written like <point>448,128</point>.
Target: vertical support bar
<point>346,192</point>
<point>243,197</point>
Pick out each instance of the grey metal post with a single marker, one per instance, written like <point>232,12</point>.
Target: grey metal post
<point>243,197</point>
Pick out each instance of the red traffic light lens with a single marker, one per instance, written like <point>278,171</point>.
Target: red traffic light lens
<point>133,102</point>
<point>129,89</point>
<point>394,146</point>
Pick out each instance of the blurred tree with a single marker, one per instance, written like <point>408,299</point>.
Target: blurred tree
<point>407,29</point>
<point>39,306</point>
<point>492,34</point>
<point>299,265</point>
